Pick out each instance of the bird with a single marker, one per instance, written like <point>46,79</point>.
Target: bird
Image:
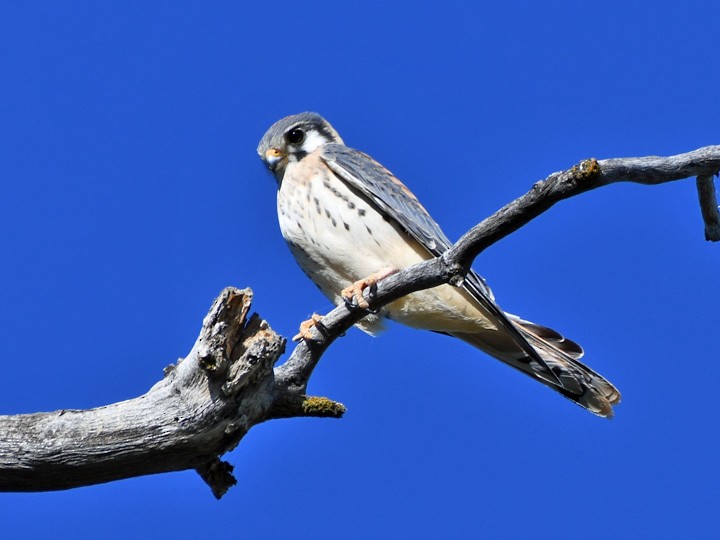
<point>349,222</point>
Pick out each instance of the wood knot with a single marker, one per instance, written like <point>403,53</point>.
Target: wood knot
<point>587,170</point>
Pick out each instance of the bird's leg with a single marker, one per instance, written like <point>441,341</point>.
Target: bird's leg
<point>355,291</point>
<point>305,326</point>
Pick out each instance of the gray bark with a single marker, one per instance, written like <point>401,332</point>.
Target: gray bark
<point>207,402</point>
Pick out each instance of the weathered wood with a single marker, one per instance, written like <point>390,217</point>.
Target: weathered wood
<point>207,402</point>
<point>200,410</point>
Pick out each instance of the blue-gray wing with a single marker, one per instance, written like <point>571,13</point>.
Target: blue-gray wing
<point>390,195</point>
<point>378,184</point>
<point>374,181</point>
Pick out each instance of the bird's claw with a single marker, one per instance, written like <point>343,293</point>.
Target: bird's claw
<point>314,321</point>
<point>354,293</point>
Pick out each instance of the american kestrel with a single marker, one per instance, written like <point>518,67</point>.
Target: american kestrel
<point>349,222</point>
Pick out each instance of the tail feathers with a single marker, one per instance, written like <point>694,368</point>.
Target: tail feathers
<point>568,346</point>
<point>580,384</point>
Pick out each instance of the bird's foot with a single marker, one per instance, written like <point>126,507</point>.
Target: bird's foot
<point>305,326</point>
<point>355,291</point>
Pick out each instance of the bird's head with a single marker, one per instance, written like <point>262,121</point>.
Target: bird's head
<point>294,137</point>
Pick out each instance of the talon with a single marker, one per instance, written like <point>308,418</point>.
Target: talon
<point>355,291</point>
<point>305,326</point>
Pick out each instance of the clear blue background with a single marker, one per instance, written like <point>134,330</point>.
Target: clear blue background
<point>130,195</point>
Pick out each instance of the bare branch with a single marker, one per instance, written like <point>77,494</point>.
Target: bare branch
<point>709,207</point>
<point>587,175</point>
<point>207,402</point>
<point>200,410</point>
<point>454,263</point>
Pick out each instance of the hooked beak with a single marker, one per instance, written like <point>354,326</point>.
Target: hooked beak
<point>272,158</point>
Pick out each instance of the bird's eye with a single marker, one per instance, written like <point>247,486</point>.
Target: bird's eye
<point>295,136</point>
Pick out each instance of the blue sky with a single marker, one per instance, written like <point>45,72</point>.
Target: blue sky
<point>131,195</point>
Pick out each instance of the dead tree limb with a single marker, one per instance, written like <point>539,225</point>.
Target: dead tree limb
<point>208,401</point>
<point>454,263</point>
